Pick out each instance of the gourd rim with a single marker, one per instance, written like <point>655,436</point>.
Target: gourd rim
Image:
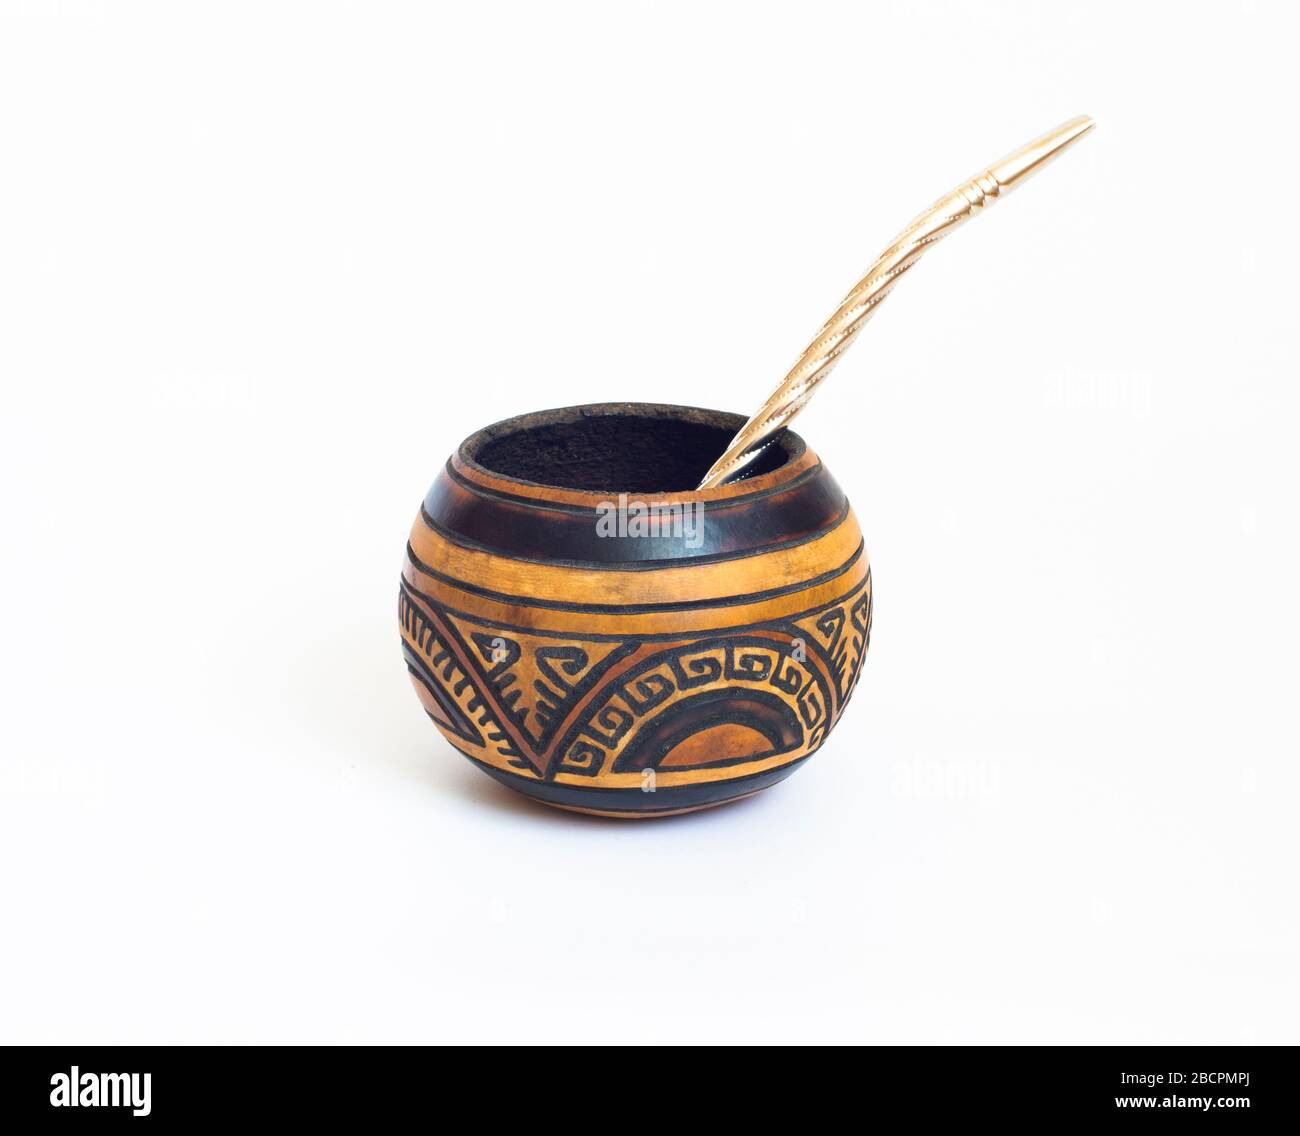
<point>499,454</point>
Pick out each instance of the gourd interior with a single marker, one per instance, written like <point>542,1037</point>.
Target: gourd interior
<point>616,452</point>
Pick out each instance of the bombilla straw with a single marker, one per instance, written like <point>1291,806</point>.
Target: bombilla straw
<point>860,305</point>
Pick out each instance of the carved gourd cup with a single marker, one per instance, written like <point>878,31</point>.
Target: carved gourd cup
<point>588,629</point>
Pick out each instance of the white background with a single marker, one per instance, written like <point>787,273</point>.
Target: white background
<point>263,266</point>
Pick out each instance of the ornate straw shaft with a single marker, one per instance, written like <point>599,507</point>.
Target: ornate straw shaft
<point>860,305</point>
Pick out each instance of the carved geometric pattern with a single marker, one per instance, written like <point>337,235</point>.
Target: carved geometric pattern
<point>585,710</point>
<point>842,633</point>
<point>449,694</point>
<point>536,679</point>
<point>749,680</point>
<point>860,616</point>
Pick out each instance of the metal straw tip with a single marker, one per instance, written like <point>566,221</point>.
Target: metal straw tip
<point>1016,167</point>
